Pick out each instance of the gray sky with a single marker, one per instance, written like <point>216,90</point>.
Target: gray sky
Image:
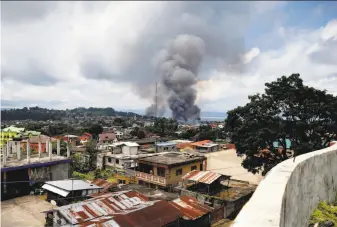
<point>70,54</point>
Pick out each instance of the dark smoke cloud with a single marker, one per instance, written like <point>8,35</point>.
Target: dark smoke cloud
<point>178,66</point>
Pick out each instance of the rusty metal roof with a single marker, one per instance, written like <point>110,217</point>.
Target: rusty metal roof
<point>119,209</point>
<point>189,208</point>
<point>205,177</point>
<point>104,183</point>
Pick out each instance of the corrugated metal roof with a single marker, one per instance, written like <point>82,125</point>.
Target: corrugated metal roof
<point>56,190</point>
<point>205,177</point>
<point>189,208</point>
<point>119,209</point>
<point>72,185</point>
<point>104,183</point>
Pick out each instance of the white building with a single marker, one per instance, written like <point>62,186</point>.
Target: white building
<point>119,134</point>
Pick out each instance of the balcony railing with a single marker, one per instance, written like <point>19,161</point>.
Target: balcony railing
<point>151,178</point>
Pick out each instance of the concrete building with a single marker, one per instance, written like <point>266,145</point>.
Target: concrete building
<point>120,155</point>
<point>64,192</point>
<point>165,147</point>
<point>205,146</point>
<point>166,169</point>
<point>22,169</point>
<point>107,138</point>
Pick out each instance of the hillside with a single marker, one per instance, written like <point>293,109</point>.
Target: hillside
<point>38,114</point>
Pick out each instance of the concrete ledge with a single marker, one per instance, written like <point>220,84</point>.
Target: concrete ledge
<point>290,192</point>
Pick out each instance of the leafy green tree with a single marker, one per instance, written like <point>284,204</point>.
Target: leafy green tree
<point>141,134</point>
<point>95,130</point>
<point>288,110</point>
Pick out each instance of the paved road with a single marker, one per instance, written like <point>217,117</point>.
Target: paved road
<point>24,212</point>
<point>228,163</point>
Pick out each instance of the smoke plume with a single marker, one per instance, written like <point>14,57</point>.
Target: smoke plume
<point>178,67</point>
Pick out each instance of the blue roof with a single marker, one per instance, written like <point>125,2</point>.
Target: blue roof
<point>165,144</point>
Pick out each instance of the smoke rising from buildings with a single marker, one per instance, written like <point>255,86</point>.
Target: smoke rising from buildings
<point>178,67</point>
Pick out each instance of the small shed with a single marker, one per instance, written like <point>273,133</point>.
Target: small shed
<point>65,191</point>
<point>166,147</point>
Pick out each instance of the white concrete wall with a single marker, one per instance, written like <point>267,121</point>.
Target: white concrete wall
<point>129,150</point>
<point>290,192</point>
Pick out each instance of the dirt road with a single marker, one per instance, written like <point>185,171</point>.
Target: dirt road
<point>24,211</point>
<point>228,163</point>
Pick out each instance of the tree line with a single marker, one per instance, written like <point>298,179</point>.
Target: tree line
<point>43,114</point>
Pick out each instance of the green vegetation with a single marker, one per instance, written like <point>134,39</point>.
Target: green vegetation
<point>324,212</point>
<point>43,114</point>
<point>288,110</point>
<point>95,174</point>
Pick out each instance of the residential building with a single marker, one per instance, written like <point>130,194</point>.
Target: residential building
<point>119,134</point>
<point>107,137</point>
<point>124,209</point>
<point>85,138</point>
<point>165,147</point>
<point>129,209</point>
<point>22,169</point>
<point>166,169</point>
<point>64,192</point>
<point>121,155</point>
<point>227,196</point>
<point>7,134</point>
<point>205,146</point>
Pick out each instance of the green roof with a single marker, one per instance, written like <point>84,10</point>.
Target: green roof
<point>13,129</point>
<point>34,133</point>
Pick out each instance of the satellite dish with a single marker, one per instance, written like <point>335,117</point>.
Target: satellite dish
<point>53,202</point>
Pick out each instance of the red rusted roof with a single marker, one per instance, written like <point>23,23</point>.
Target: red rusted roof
<point>205,177</point>
<point>189,208</point>
<point>200,143</point>
<point>105,184</point>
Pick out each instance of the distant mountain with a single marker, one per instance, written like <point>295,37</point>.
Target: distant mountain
<point>37,113</point>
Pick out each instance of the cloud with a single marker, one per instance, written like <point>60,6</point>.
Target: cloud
<point>102,53</point>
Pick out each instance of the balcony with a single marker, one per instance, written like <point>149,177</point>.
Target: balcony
<point>151,178</point>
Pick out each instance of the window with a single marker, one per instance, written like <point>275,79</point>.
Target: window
<point>179,172</point>
<point>193,168</point>
<point>117,161</point>
<point>109,160</point>
<point>160,172</point>
<point>200,167</point>
<point>121,181</point>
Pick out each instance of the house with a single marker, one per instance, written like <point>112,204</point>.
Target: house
<point>165,169</point>
<point>7,134</point>
<point>219,191</point>
<point>119,134</point>
<point>123,209</point>
<point>107,137</point>
<point>205,146</point>
<point>85,138</point>
<point>23,170</point>
<point>64,192</point>
<point>192,212</point>
<point>165,147</point>
<point>121,155</point>
<point>131,208</point>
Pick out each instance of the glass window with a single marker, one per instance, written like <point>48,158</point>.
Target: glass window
<point>179,172</point>
<point>117,161</point>
<point>193,168</point>
<point>109,160</point>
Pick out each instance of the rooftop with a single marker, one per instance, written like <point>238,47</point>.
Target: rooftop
<point>13,129</point>
<point>164,144</point>
<point>123,208</point>
<point>129,144</point>
<point>200,143</point>
<point>73,185</point>
<point>189,208</point>
<point>14,164</point>
<point>172,158</point>
<point>206,177</point>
